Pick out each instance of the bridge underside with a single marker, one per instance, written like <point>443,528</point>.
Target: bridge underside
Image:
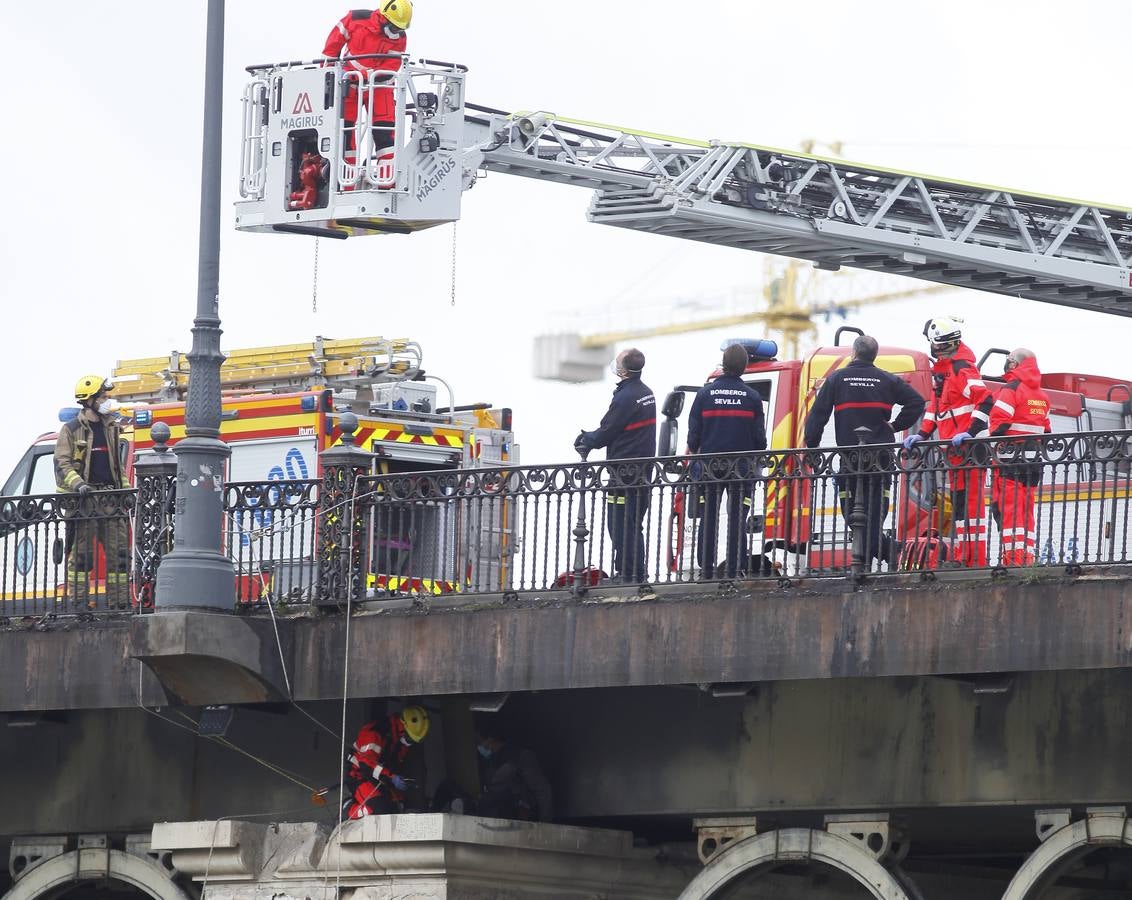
<point>950,711</point>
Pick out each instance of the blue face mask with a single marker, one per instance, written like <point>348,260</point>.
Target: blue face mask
<point>485,752</point>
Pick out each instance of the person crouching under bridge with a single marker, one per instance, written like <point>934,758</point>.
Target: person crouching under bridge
<point>375,783</point>
<point>1021,409</point>
<point>87,461</point>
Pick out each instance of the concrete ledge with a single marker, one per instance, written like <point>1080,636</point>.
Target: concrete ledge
<point>756,634</point>
<point>431,855</point>
<point>205,658</point>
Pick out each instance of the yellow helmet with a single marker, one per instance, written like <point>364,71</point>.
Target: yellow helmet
<point>398,12</point>
<point>415,719</point>
<point>89,385</point>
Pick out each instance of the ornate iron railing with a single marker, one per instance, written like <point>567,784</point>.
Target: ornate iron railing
<point>1015,503</point>
<point>65,553</point>
<point>1010,504</point>
<point>270,534</point>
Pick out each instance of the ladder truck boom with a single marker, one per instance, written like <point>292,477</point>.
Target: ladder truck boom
<point>828,211</point>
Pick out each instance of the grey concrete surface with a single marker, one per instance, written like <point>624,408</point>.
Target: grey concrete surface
<point>758,635</point>
<point>429,856</point>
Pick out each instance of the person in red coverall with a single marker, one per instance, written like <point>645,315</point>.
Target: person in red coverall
<point>374,781</point>
<point>1021,409</point>
<point>360,32</point>
<point>958,410</point>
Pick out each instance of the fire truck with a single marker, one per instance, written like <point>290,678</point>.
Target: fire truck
<point>795,520</point>
<point>281,407</point>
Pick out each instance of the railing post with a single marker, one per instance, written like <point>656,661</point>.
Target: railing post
<point>579,587</point>
<point>342,560</point>
<point>156,477</point>
<point>859,519</point>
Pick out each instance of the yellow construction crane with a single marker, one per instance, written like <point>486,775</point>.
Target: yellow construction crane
<point>793,295</point>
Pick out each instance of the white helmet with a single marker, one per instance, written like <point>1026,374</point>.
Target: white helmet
<point>944,333</point>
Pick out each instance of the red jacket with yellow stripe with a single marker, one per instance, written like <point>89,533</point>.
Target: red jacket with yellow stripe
<point>960,400</point>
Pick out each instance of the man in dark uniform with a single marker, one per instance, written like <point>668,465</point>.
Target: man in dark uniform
<point>627,431</point>
<point>726,417</point>
<point>862,394</point>
<point>512,783</point>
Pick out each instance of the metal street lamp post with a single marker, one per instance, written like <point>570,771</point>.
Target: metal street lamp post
<point>196,574</point>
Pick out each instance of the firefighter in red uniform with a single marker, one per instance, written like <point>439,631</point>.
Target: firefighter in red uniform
<point>361,32</point>
<point>959,409</point>
<point>1021,408</point>
<point>374,781</point>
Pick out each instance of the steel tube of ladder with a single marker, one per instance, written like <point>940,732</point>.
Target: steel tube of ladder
<point>196,574</point>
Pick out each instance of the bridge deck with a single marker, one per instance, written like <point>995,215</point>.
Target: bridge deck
<point>690,635</point>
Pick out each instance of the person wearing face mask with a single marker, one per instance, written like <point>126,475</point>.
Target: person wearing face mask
<point>87,460</point>
<point>1021,409</point>
<point>512,783</point>
<point>375,782</point>
<point>958,410</point>
<point>627,431</point>
<point>359,33</point>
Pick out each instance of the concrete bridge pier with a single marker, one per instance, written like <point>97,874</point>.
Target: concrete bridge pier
<point>863,848</point>
<point>44,867</point>
<point>1064,843</point>
<point>421,856</point>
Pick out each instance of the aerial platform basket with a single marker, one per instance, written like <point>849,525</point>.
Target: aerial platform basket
<point>305,170</point>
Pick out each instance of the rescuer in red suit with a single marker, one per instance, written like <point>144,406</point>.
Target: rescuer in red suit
<point>364,31</point>
<point>959,409</point>
<point>375,783</point>
<point>1021,409</point>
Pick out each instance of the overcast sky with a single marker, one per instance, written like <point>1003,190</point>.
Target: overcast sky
<point>102,107</point>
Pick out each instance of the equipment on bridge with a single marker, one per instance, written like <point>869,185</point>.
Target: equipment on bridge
<point>349,364</point>
<point>829,211</point>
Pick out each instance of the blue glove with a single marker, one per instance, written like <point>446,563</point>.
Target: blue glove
<point>958,440</point>
<point>398,782</point>
<point>911,441</point>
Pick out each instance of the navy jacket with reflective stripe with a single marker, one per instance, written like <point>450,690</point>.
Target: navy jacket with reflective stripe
<point>628,429</point>
<point>861,394</point>
<point>726,417</point>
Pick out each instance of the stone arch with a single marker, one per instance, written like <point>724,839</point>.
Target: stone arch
<point>1066,845</point>
<point>47,878</point>
<point>794,844</point>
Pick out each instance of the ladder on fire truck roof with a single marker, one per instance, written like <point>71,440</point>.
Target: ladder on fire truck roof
<point>829,211</point>
<point>351,363</point>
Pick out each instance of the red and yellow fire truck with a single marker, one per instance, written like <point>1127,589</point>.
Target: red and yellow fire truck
<point>281,407</point>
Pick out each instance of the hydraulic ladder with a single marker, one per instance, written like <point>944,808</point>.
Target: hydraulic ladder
<point>829,211</point>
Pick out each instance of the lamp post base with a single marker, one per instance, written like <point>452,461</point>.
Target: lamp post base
<point>197,580</point>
